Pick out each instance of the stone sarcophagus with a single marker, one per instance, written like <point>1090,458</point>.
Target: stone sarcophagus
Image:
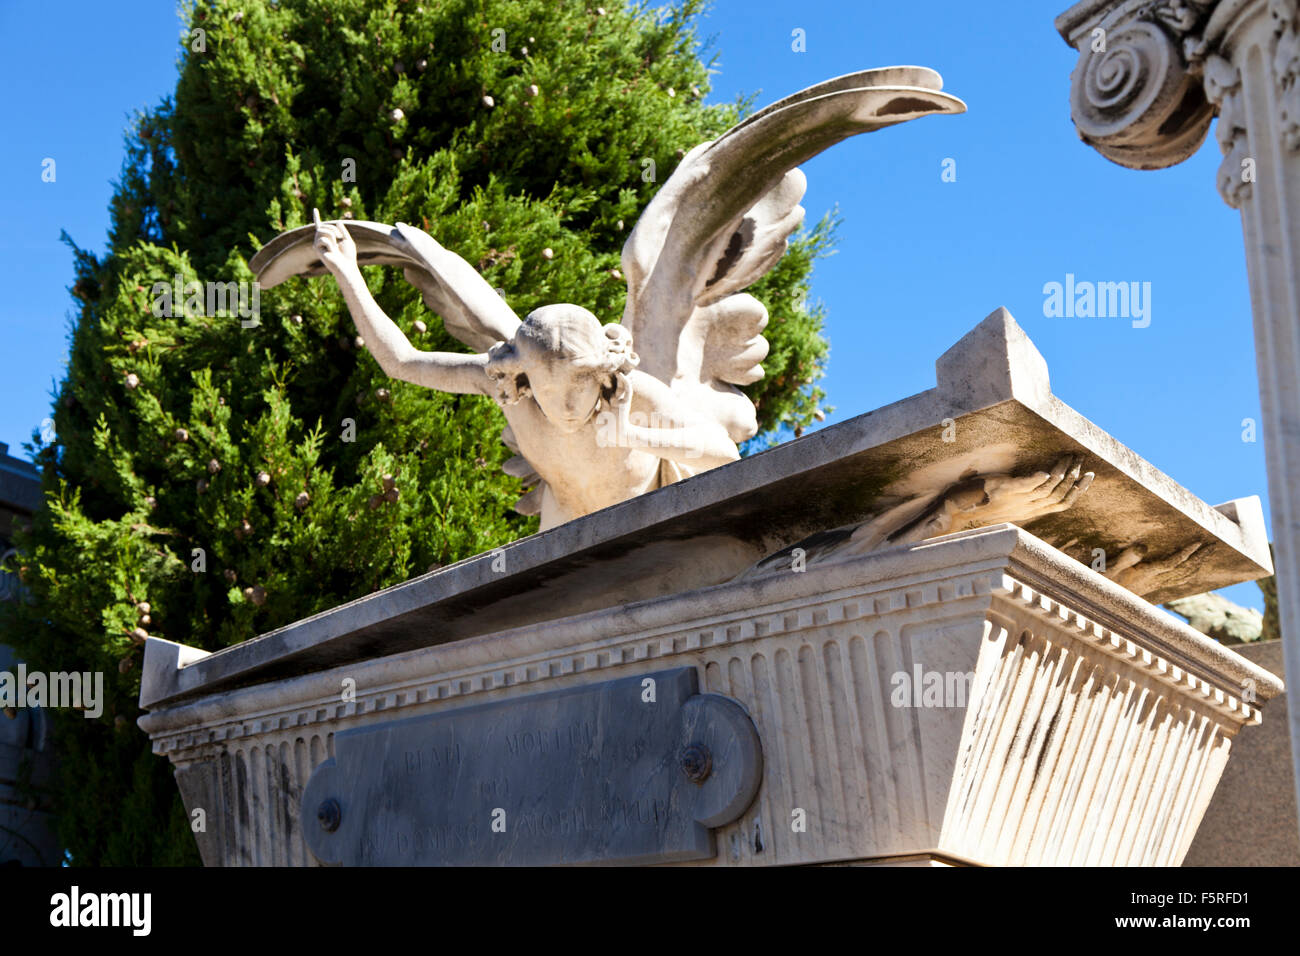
<point>721,673</point>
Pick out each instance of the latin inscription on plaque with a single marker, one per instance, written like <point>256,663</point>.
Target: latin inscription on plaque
<point>635,770</point>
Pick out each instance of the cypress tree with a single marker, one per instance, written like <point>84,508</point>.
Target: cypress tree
<point>210,478</point>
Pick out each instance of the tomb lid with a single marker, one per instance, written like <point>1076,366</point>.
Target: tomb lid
<point>992,411</point>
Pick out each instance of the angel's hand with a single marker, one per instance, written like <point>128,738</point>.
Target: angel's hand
<point>1134,571</point>
<point>335,246</point>
<point>1020,500</point>
<point>984,500</point>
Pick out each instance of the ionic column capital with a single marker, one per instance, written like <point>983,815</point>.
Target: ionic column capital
<point>1152,74</point>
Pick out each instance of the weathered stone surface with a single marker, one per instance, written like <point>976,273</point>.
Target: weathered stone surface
<point>197,784</point>
<point>634,770</point>
<point>1125,714</point>
<point>709,528</point>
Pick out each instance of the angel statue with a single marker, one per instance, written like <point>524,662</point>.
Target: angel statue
<point>599,413</point>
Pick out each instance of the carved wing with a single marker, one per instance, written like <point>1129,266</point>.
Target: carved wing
<point>471,310</point>
<point>724,218</point>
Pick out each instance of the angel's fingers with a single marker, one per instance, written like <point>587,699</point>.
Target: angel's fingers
<point>329,237</point>
<point>1053,479</point>
<point>1067,485</point>
<point>1079,488</point>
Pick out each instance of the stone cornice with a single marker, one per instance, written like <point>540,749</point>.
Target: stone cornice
<point>1002,566</point>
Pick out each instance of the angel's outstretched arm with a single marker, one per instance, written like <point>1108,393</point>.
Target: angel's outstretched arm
<point>444,371</point>
<point>663,426</point>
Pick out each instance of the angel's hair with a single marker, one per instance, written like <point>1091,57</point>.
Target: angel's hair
<point>572,333</point>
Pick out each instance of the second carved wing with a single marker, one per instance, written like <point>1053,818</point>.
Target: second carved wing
<point>724,218</point>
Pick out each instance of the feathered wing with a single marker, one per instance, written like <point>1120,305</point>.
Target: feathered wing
<point>471,310</point>
<point>724,218</point>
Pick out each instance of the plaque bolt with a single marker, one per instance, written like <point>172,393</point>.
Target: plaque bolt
<point>329,815</point>
<point>697,763</point>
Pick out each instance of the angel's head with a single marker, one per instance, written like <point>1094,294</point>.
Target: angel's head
<point>567,361</point>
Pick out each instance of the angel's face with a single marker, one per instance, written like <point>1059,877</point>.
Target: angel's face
<point>568,396</point>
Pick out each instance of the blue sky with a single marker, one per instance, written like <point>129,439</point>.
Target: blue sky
<point>920,261</point>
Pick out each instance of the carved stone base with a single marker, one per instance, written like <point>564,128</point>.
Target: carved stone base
<point>976,698</point>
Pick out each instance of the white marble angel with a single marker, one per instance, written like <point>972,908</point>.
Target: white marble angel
<point>599,413</point>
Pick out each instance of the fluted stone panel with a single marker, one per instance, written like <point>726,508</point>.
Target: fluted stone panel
<point>1072,741</point>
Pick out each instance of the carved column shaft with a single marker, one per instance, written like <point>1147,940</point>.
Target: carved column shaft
<point>1266,61</point>
<point>1151,75</point>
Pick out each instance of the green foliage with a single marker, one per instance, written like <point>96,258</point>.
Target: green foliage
<point>200,465</point>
